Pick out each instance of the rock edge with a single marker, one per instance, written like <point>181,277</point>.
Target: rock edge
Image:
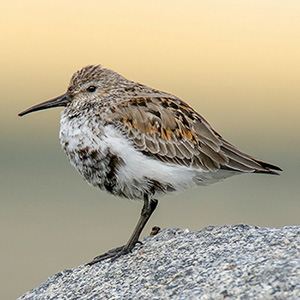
<point>236,261</point>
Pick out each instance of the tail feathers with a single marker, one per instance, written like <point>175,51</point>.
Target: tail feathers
<point>269,168</point>
<point>242,162</point>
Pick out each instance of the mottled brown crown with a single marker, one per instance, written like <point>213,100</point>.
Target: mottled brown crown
<point>93,75</point>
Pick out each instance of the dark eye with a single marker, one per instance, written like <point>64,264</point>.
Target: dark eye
<point>91,89</point>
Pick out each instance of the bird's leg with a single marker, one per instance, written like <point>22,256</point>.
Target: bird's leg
<point>147,210</point>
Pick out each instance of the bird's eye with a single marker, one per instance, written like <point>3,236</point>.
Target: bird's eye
<point>91,89</point>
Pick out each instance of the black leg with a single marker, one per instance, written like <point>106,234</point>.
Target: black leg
<point>147,210</point>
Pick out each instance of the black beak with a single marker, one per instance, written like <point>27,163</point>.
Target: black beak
<point>62,100</point>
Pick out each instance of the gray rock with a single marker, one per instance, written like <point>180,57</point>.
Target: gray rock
<point>234,262</point>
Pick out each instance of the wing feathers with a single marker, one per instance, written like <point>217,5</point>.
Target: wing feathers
<point>169,130</point>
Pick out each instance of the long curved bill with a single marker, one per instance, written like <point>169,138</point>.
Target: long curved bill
<point>61,100</point>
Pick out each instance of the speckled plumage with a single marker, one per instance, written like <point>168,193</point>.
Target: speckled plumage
<point>140,143</point>
<point>130,139</point>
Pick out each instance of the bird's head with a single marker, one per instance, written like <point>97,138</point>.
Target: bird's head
<point>86,85</point>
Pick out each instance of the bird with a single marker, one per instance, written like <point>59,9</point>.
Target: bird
<point>140,143</point>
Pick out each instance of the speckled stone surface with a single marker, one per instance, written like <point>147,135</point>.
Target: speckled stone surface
<point>233,262</point>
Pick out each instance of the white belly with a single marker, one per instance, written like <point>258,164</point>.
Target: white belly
<point>90,149</point>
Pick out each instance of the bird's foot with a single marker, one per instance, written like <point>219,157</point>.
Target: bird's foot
<point>113,254</point>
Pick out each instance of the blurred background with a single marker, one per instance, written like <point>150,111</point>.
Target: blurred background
<point>236,62</point>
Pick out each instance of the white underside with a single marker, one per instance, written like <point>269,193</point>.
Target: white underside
<point>136,165</point>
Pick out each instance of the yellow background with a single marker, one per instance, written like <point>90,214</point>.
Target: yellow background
<point>236,62</point>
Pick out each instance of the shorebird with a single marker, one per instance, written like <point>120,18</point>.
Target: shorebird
<point>140,143</point>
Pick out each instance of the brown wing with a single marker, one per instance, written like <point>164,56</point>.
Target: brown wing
<point>168,129</point>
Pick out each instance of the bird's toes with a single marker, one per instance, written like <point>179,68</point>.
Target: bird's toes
<point>113,254</point>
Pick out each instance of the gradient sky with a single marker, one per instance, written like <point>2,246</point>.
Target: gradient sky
<point>236,62</point>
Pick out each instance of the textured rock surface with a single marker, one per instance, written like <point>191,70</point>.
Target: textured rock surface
<point>238,262</point>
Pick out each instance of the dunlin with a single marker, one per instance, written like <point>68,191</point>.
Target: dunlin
<point>140,143</point>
